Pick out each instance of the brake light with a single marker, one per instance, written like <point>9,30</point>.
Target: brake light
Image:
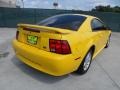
<point>59,46</point>
<point>17,34</point>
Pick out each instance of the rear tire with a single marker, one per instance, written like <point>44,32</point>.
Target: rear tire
<point>84,66</point>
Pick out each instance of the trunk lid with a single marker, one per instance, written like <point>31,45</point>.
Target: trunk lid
<point>38,36</point>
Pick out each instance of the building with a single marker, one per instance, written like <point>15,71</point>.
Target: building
<point>8,3</point>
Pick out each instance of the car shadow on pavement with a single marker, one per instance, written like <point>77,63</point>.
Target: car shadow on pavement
<point>42,77</point>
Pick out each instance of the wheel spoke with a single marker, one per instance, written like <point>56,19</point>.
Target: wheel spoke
<point>87,61</point>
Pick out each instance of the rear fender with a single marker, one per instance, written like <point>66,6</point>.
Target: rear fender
<point>82,51</point>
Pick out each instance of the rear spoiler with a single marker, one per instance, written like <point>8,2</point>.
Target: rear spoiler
<point>38,28</point>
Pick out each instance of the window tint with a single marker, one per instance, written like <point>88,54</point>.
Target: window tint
<point>97,25</point>
<point>64,21</point>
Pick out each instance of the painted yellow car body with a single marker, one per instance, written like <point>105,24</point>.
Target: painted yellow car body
<point>39,56</point>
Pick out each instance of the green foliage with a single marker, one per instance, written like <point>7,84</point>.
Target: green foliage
<point>107,8</point>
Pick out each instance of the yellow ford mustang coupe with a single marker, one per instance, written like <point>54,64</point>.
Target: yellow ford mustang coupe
<point>61,44</point>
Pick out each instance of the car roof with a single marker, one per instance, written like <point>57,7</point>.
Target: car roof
<point>87,16</point>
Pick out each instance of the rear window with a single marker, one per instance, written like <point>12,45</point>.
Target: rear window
<point>71,22</point>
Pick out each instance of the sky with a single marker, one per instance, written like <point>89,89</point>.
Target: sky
<point>68,4</point>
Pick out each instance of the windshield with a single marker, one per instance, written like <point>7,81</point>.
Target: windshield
<point>71,22</point>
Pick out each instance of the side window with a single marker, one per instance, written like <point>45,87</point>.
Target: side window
<point>97,25</point>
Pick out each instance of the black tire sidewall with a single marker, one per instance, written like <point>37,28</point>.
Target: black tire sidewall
<point>81,67</point>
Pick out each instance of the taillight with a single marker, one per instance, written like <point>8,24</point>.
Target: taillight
<point>59,46</point>
<point>17,34</point>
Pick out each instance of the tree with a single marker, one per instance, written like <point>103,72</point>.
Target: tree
<point>107,8</point>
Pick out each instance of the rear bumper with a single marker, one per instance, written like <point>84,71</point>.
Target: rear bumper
<point>51,63</point>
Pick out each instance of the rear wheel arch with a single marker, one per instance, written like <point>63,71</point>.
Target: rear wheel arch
<point>80,69</point>
<point>90,45</point>
<point>93,49</point>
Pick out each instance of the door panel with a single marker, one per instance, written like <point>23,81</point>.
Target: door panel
<point>98,27</point>
<point>97,40</point>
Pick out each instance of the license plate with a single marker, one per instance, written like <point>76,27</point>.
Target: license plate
<point>32,39</point>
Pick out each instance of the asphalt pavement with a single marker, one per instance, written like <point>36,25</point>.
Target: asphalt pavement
<point>104,73</point>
